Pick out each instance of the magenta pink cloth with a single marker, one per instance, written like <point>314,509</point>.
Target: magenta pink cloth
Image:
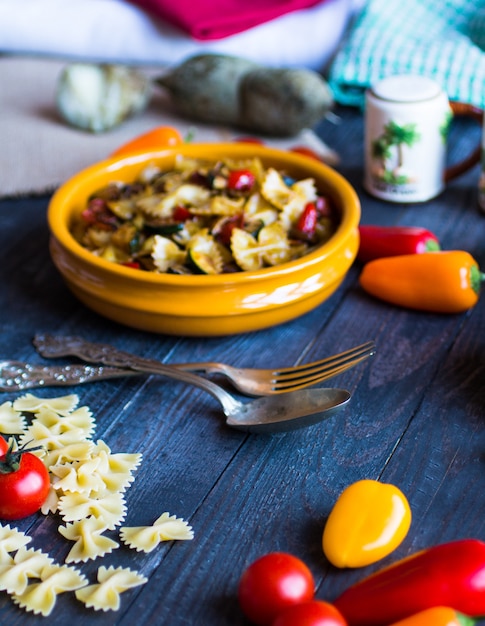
<point>217,19</point>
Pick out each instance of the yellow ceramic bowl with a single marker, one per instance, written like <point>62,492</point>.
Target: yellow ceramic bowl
<point>203,305</point>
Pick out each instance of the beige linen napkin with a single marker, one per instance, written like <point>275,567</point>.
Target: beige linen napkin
<point>38,150</point>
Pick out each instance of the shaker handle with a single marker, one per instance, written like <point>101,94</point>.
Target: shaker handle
<point>462,109</point>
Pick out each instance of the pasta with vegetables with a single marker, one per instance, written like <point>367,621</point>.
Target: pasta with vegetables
<point>206,217</point>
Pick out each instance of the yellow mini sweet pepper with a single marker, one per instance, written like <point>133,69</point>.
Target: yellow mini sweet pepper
<point>369,520</point>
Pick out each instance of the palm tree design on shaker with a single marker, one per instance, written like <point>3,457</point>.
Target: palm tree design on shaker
<point>445,126</point>
<point>388,149</point>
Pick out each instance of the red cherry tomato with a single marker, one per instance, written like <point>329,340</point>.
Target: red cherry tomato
<point>224,231</point>
<point>323,206</point>
<point>98,213</point>
<point>249,140</point>
<point>160,137</point>
<point>313,613</point>
<point>181,214</point>
<point>3,446</point>
<point>241,180</point>
<point>133,264</point>
<point>306,152</point>
<point>307,223</point>
<point>273,583</point>
<point>24,484</point>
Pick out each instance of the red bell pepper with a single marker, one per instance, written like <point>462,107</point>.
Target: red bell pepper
<point>381,241</point>
<point>450,574</point>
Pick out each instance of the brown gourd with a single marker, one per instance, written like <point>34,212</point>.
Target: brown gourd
<point>206,87</point>
<point>225,89</point>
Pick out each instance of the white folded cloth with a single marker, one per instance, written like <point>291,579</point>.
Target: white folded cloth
<point>117,31</point>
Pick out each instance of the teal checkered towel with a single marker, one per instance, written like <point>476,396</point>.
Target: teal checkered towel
<point>441,39</point>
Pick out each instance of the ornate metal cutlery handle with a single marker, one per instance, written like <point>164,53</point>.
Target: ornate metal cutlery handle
<point>17,376</point>
<point>50,346</point>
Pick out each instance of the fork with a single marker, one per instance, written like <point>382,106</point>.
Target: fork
<point>268,414</point>
<point>259,382</point>
<point>17,376</point>
<point>251,382</point>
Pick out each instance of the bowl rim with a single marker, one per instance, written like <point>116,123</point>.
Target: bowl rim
<point>59,210</point>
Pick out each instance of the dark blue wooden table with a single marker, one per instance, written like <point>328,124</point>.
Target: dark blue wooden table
<point>416,419</point>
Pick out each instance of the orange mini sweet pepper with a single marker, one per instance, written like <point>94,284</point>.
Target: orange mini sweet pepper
<point>437,616</point>
<point>439,282</point>
<point>155,139</point>
<point>368,521</point>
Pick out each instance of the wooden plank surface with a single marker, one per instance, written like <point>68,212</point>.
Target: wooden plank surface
<point>416,419</point>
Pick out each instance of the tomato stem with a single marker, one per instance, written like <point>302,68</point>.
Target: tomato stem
<point>11,460</point>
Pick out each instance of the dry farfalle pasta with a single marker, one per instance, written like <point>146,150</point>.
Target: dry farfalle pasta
<point>51,503</point>
<point>80,418</point>
<point>15,574</point>
<point>116,470</point>
<point>78,476</point>
<point>40,597</point>
<point>68,454</point>
<point>32,404</point>
<point>110,508</point>
<point>57,425</point>
<point>90,542</point>
<point>146,538</point>
<point>100,472</point>
<point>30,576</point>
<point>105,595</point>
<point>39,435</point>
<point>11,540</point>
<point>88,482</point>
<point>11,421</point>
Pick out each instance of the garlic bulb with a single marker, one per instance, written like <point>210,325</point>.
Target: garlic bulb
<point>98,97</point>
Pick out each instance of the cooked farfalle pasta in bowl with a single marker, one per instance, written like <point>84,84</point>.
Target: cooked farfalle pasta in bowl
<point>204,217</point>
<point>205,239</point>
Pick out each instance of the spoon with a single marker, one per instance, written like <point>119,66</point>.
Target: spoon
<point>289,411</point>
